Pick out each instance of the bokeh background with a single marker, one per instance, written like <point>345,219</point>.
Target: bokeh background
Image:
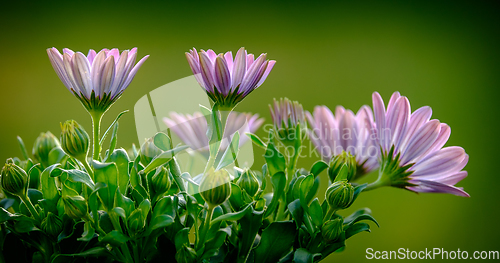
<point>439,53</point>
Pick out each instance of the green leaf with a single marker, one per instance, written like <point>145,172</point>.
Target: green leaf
<point>114,238</point>
<point>301,255</point>
<point>279,182</point>
<point>162,141</point>
<point>357,190</point>
<point>356,228</point>
<point>275,160</point>
<point>23,148</point>
<point>25,226</point>
<point>111,126</point>
<point>88,232</point>
<point>234,216</point>
<point>343,173</point>
<point>49,188</point>
<point>250,226</point>
<point>163,158</point>
<point>106,173</point>
<point>93,252</point>
<point>182,238</point>
<point>318,167</point>
<point>165,207</point>
<point>56,155</point>
<point>256,140</point>
<point>34,176</point>
<point>161,221</point>
<point>306,191</point>
<point>297,212</point>
<point>361,214</point>
<point>5,215</point>
<point>231,152</point>
<point>236,197</point>
<point>94,202</point>
<point>78,176</point>
<point>120,158</point>
<point>316,212</point>
<point>276,240</point>
<point>112,142</point>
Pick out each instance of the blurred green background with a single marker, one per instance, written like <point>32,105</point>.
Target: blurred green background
<point>442,54</point>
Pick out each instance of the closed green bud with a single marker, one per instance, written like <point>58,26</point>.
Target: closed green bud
<point>14,179</point>
<point>340,195</point>
<point>332,229</point>
<point>74,140</point>
<point>75,207</point>
<point>136,221</point>
<point>42,147</point>
<point>249,182</point>
<point>185,255</point>
<point>338,161</point>
<point>161,180</point>
<point>52,224</point>
<point>149,151</point>
<point>215,187</point>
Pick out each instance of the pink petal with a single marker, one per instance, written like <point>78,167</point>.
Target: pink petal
<point>440,162</point>
<point>239,68</point>
<point>222,78</point>
<point>379,113</point>
<point>270,67</point>
<point>421,141</point>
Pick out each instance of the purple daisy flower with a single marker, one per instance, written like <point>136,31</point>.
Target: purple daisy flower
<point>225,80</point>
<point>192,129</point>
<point>286,115</point>
<point>345,131</point>
<point>97,79</point>
<point>412,153</point>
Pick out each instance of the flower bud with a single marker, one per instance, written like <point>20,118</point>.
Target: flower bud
<point>215,187</point>
<point>149,151</point>
<point>161,180</point>
<point>42,147</point>
<point>287,115</point>
<point>75,206</point>
<point>14,179</point>
<point>136,222</point>
<point>74,140</point>
<point>249,182</point>
<point>332,229</point>
<point>52,224</point>
<point>340,195</point>
<point>185,255</point>
<point>338,161</point>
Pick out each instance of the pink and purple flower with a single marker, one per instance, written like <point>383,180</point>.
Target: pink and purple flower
<point>225,80</point>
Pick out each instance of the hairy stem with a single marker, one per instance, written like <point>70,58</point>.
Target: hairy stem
<point>96,125</point>
<point>30,207</point>
<point>206,227</point>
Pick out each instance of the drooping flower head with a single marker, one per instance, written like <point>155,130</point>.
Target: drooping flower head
<point>192,129</point>
<point>345,132</point>
<point>412,153</point>
<point>225,80</point>
<point>97,79</point>
<point>287,115</point>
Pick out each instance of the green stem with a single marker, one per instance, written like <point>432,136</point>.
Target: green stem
<point>381,181</point>
<point>206,227</point>
<point>30,207</point>
<point>329,213</point>
<point>96,125</point>
<point>88,168</point>
<point>124,248</point>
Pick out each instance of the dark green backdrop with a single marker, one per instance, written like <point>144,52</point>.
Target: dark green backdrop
<point>442,54</point>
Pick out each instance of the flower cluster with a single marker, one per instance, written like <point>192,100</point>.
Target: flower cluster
<point>144,205</point>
